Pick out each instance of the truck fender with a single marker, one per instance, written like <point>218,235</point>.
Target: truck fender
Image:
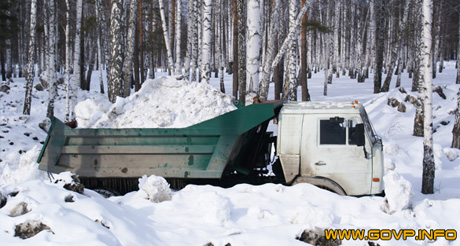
<point>321,182</point>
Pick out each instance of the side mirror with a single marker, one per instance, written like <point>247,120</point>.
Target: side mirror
<point>360,134</point>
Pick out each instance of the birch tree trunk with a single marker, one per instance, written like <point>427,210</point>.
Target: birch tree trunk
<point>76,62</point>
<point>290,85</point>
<point>379,45</point>
<point>196,18</point>
<point>67,62</point>
<point>402,26</point>
<point>207,38</point>
<point>52,89</point>
<point>458,50</point>
<point>166,37</point>
<point>253,46</point>
<point>396,47</point>
<point>128,65</point>
<point>30,63</point>
<point>178,36</point>
<point>190,33</point>
<point>265,82</point>
<point>235,48</point>
<point>241,51</point>
<point>116,60</point>
<point>99,16</point>
<point>426,80</point>
<point>456,129</point>
<point>335,64</point>
<point>303,58</point>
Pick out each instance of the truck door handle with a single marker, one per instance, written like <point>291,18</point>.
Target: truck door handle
<point>320,163</point>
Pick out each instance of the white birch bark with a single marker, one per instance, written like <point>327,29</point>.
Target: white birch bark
<point>52,90</point>
<point>426,93</point>
<point>402,26</point>
<point>166,37</point>
<point>116,61</point>
<point>290,85</point>
<point>241,51</point>
<point>67,62</point>
<point>76,62</point>
<point>128,64</point>
<point>190,33</point>
<point>178,36</point>
<point>335,64</point>
<point>206,42</point>
<point>254,39</point>
<point>99,16</point>
<point>30,63</point>
<point>267,68</point>
<point>458,50</point>
<point>196,47</point>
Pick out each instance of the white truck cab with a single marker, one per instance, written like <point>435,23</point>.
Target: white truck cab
<point>331,145</point>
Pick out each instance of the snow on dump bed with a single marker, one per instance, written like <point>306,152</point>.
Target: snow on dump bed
<point>161,103</point>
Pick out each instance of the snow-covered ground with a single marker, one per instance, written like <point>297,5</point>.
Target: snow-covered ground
<point>269,214</point>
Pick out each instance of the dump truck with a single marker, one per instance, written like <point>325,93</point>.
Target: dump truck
<point>329,144</point>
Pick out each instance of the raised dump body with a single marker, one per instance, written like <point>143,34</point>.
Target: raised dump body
<point>232,141</point>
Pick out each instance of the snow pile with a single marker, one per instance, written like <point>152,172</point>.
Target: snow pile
<point>398,192</point>
<point>26,169</point>
<point>156,188</point>
<point>161,103</point>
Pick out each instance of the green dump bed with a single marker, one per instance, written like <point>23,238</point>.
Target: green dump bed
<point>204,150</point>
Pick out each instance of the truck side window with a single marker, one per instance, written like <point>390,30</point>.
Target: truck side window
<point>352,132</point>
<point>333,131</point>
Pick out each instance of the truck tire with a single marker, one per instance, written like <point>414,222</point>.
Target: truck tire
<point>322,183</point>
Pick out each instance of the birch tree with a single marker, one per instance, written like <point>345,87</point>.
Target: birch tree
<point>263,91</point>
<point>379,45</point>
<point>241,51</point>
<point>396,47</point>
<point>426,94</point>
<point>303,58</point>
<point>458,50</point>
<point>52,87</point>
<point>30,63</point>
<point>290,86</point>
<point>116,59</point>
<point>253,46</point>
<point>128,65</point>
<point>178,35</point>
<point>190,33</point>
<point>456,129</point>
<point>265,82</point>
<point>166,37</point>
<point>206,48</point>
<point>67,61</point>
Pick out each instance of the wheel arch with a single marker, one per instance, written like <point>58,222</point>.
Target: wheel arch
<point>321,182</point>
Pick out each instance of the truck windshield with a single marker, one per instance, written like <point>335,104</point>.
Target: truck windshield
<point>369,128</point>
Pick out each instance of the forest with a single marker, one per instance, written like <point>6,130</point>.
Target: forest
<point>256,42</point>
<point>285,41</point>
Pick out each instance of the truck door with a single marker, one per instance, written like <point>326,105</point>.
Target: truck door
<point>337,156</point>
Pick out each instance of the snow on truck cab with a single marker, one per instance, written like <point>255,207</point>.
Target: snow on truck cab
<point>331,145</point>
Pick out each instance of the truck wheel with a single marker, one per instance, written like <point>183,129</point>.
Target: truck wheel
<point>322,183</point>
